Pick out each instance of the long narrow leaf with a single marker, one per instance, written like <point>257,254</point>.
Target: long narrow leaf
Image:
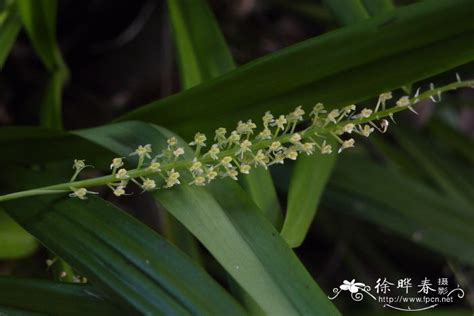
<point>119,254</point>
<point>201,47</point>
<point>10,24</point>
<point>340,67</point>
<point>347,11</point>
<point>39,20</point>
<point>311,174</point>
<point>204,55</point>
<point>15,242</point>
<point>376,7</point>
<point>53,298</point>
<point>231,227</point>
<point>308,181</point>
<point>403,205</point>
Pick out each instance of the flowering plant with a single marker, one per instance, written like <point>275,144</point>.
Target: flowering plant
<point>193,204</point>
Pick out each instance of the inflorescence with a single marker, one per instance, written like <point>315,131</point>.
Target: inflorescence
<point>230,153</point>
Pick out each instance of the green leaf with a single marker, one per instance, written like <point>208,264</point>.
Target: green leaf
<point>51,111</point>
<point>458,141</point>
<point>119,254</point>
<point>18,312</point>
<point>231,227</point>
<point>53,298</point>
<point>48,145</point>
<point>15,242</point>
<point>338,68</point>
<point>39,20</point>
<point>428,161</point>
<point>376,7</point>
<point>201,48</point>
<point>311,173</point>
<point>10,24</point>
<point>261,189</point>
<point>347,11</point>
<point>403,205</point>
<point>204,55</point>
<point>308,181</point>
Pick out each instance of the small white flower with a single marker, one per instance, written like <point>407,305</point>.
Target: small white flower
<point>367,130</point>
<point>119,191</point>
<point>245,128</point>
<point>116,163</point>
<point>265,134</point>
<point>234,138</point>
<point>332,116</point>
<point>244,147</point>
<point>348,128</point>
<point>280,122</point>
<point>245,169</point>
<point>347,144</point>
<point>241,127</point>
<point>172,141</point>
<point>349,108</point>
<point>365,113</point>
<point>296,115</point>
<point>318,109</point>
<point>178,152</point>
<point>211,174</point>
<point>143,151</point>
<point>275,146</point>
<point>148,184</point>
<point>260,159</point>
<point>403,101</point>
<point>122,174</point>
<point>383,97</point>
<point>326,148</point>
<point>199,181</point>
<point>295,138</point>
<point>155,166</point>
<point>291,153</point>
<point>81,193</point>
<point>226,161</point>
<point>196,167</point>
<point>79,164</point>
<point>199,140</point>
<point>307,148</point>
<point>214,151</point>
<point>172,179</point>
<point>279,158</point>
<point>267,119</point>
<point>232,173</point>
<point>220,135</point>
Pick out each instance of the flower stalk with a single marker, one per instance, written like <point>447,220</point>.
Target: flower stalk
<point>241,151</point>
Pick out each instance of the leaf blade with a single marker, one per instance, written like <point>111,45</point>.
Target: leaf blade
<point>311,71</point>
<point>231,228</point>
<point>10,25</point>
<point>62,298</point>
<point>347,11</point>
<point>203,55</point>
<point>307,184</point>
<point>121,255</point>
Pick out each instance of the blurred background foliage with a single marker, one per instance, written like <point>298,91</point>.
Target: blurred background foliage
<point>398,205</point>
